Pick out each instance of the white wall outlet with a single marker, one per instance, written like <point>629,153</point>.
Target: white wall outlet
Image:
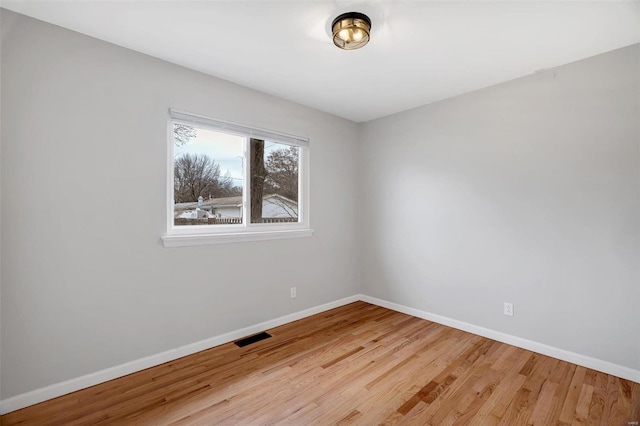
<point>508,309</point>
<point>293,292</point>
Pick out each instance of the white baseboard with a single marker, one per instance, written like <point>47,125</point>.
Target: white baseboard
<point>541,348</point>
<point>53,391</point>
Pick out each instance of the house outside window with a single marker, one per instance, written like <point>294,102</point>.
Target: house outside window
<point>229,182</point>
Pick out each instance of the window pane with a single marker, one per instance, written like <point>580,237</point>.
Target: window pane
<point>208,177</point>
<point>274,182</point>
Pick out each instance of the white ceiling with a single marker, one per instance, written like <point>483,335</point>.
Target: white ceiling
<point>420,51</point>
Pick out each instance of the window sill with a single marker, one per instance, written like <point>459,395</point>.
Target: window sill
<point>208,239</point>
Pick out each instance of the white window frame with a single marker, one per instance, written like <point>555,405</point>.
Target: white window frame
<point>178,236</point>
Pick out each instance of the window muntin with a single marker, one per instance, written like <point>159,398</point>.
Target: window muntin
<point>229,193</point>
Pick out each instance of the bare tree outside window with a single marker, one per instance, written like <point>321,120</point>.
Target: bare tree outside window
<point>209,178</point>
<point>274,181</point>
<point>183,133</point>
<point>204,194</point>
<point>282,166</point>
<point>197,175</point>
<point>258,177</point>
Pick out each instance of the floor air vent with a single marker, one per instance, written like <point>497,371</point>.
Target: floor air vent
<point>252,339</point>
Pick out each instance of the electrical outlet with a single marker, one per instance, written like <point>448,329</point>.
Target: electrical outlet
<point>508,309</point>
<point>293,292</point>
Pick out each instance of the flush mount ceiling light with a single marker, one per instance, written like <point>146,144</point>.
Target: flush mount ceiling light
<point>351,30</point>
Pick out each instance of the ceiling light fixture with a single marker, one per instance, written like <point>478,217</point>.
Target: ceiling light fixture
<point>351,30</point>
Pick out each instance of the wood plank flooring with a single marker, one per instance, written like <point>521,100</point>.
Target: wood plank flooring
<point>357,364</point>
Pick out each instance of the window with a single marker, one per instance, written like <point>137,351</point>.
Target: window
<point>229,182</point>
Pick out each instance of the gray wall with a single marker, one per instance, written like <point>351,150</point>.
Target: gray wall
<point>527,192</point>
<point>2,31</point>
<point>86,282</point>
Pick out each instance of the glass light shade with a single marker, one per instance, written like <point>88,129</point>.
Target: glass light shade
<point>351,30</point>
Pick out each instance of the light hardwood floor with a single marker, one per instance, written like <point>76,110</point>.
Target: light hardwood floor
<point>357,364</point>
